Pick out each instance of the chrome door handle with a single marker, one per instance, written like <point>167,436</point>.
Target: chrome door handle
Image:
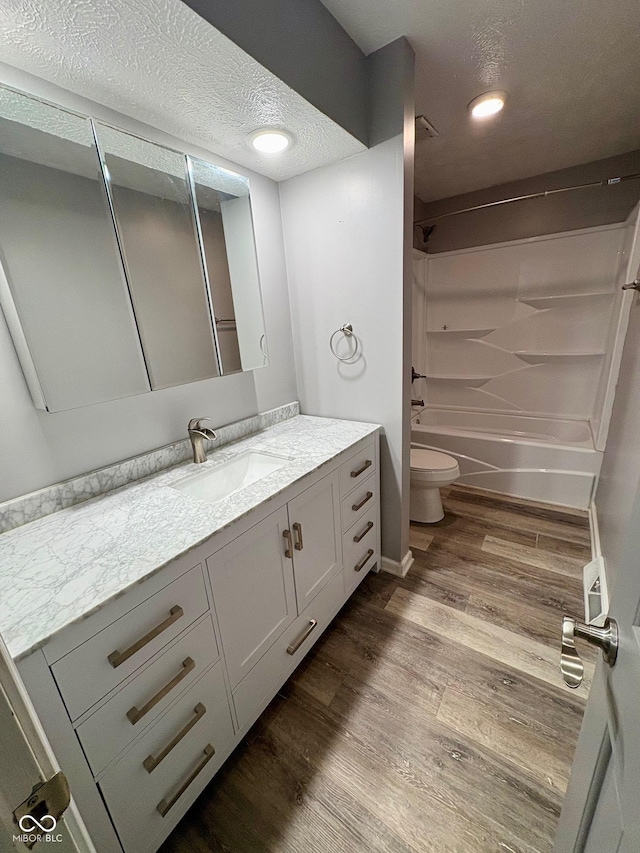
<point>606,638</point>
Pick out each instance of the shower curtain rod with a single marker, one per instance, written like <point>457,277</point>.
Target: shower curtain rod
<point>607,182</point>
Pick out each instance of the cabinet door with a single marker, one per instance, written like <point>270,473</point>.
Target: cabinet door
<point>253,593</point>
<point>315,527</point>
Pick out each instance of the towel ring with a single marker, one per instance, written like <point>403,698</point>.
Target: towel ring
<point>347,331</point>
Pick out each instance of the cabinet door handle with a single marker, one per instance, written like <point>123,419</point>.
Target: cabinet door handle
<point>359,566</point>
<point>293,648</point>
<point>364,532</point>
<point>368,463</point>
<point>366,498</point>
<point>116,658</point>
<point>297,529</point>
<point>288,552</point>
<point>134,714</point>
<point>151,761</point>
<point>164,806</point>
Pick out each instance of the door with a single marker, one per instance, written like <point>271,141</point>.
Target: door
<point>315,526</point>
<point>254,593</point>
<point>601,811</point>
<point>26,760</point>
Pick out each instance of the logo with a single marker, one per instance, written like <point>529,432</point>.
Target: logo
<point>37,829</point>
<point>46,824</point>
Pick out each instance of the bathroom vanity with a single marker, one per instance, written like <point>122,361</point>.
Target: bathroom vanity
<point>161,624</point>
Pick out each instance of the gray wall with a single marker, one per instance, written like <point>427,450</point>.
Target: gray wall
<point>347,236</point>
<point>563,212</point>
<point>301,43</point>
<point>38,448</point>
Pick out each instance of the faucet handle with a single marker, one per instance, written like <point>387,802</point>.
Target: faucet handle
<point>196,423</point>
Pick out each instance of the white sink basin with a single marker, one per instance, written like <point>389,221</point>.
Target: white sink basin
<point>220,482</point>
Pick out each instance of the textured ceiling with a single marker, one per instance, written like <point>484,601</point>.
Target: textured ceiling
<point>161,63</point>
<point>571,69</point>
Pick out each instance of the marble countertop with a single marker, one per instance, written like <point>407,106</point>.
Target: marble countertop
<point>62,568</point>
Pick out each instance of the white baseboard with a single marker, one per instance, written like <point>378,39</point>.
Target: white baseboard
<point>393,567</point>
<point>594,530</point>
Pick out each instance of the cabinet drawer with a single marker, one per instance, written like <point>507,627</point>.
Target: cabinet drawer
<point>89,672</point>
<point>127,714</point>
<point>360,556</point>
<point>357,468</point>
<point>359,502</point>
<point>135,795</point>
<point>253,692</point>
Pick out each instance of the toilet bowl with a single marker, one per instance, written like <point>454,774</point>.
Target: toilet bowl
<point>429,471</point>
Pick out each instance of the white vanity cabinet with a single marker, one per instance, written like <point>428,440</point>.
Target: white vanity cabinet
<point>265,581</point>
<point>254,593</point>
<point>145,699</point>
<point>315,529</point>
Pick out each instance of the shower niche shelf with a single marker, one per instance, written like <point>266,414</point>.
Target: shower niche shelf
<point>535,357</point>
<point>467,333</point>
<point>470,381</point>
<point>563,299</point>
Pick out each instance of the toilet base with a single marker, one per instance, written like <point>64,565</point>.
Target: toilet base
<point>425,504</point>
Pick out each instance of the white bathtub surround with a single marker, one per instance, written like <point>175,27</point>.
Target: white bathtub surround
<point>543,459</point>
<point>523,326</point>
<point>399,569</point>
<point>27,508</point>
<point>60,569</point>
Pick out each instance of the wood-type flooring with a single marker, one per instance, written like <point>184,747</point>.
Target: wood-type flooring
<point>431,716</point>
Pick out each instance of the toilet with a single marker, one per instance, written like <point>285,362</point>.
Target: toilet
<point>430,470</point>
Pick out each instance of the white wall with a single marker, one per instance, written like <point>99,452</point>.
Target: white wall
<point>627,271</point>
<point>501,336</point>
<point>621,464</point>
<point>418,323</point>
<point>38,448</point>
<point>349,260</point>
<point>620,470</point>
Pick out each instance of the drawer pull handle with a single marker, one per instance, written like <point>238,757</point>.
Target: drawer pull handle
<point>364,500</point>
<point>297,529</point>
<point>288,551</point>
<point>151,762</point>
<point>116,658</point>
<point>164,806</point>
<point>293,648</point>
<point>359,566</point>
<point>364,532</point>
<point>134,714</point>
<point>366,465</point>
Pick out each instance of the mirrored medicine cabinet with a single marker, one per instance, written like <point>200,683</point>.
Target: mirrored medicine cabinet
<point>125,266</point>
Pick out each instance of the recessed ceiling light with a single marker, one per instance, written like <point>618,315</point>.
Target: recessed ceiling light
<point>487,105</point>
<point>270,141</point>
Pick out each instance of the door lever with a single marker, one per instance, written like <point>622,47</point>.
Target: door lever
<point>606,638</point>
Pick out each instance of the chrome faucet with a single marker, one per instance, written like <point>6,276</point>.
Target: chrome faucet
<point>198,435</point>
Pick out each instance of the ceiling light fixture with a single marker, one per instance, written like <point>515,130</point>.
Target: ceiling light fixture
<point>487,105</point>
<point>268,140</point>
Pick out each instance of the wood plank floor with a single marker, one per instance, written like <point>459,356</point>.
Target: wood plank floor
<point>431,716</point>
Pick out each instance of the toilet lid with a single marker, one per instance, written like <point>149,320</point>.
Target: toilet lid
<point>431,460</point>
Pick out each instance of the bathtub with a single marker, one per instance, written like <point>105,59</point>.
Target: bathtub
<point>543,459</point>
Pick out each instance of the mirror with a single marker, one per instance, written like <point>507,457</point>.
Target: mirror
<point>226,223</point>
<point>149,190</point>
<point>125,266</point>
<point>61,282</point>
